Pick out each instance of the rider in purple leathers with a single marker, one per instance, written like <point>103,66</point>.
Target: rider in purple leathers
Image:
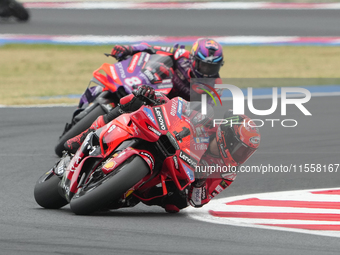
<point>204,61</point>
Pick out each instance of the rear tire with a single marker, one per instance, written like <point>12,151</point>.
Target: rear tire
<point>46,192</point>
<point>97,195</point>
<point>79,127</point>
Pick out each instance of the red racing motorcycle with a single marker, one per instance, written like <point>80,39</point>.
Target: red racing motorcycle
<point>110,82</point>
<point>118,164</point>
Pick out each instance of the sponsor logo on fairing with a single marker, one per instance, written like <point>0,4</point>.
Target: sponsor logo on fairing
<point>149,114</point>
<point>149,157</point>
<point>204,193</point>
<point>202,139</point>
<point>133,64</point>
<point>113,72</point>
<point>111,128</point>
<point>141,59</point>
<point>189,172</point>
<point>160,118</point>
<point>223,184</point>
<point>179,108</point>
<point>110,165</point>
<point>197,196</point>
<point>175,162</point>
<point>173,107</point>
<point>165,86</point>
<point>166,81</point>
<point>60,170</point>
<point>121,154</point>
<point>136,129</point>
<point>149,75</point>
<point>187,159</point>
<point>214,193</point>
<point>121,70</point>
<point>219,189</point>
<point>154,130</point>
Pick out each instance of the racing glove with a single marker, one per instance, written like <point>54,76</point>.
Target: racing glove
<point>144,95</point>
<point>198,196</point>
<point>121,51</point>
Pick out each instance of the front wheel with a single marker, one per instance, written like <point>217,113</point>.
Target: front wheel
<point>46,192</point>
<point>98,194</point>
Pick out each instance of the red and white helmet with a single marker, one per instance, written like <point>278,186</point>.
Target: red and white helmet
<point>238,139</point>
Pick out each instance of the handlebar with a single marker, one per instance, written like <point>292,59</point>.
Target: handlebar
<point>146,99</point>
<point>118,59</point>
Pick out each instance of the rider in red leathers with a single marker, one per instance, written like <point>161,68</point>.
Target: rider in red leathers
<point>229,145</point>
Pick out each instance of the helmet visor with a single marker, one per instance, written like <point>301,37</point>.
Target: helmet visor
<point>207,68</point>
<point>237,149</point>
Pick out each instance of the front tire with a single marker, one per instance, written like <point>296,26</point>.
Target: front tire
<point>46,192</point>
<point>95,196</point>
<point>79,127</point>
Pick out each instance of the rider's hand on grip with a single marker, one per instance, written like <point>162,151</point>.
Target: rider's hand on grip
<point>121,51</point>
<point>198,196</point>
<point>146,94</point>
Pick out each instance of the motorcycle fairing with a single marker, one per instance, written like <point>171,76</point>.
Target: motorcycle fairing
<point>98,151</point>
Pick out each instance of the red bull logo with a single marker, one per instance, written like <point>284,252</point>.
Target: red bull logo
<point>211,44</point>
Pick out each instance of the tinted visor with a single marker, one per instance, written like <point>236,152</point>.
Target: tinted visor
<point>237,149</point>
<point>207,68</point>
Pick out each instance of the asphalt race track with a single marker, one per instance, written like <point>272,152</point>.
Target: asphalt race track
<point>27,140</point>
<point>28,137</point>
<point>179,22</point>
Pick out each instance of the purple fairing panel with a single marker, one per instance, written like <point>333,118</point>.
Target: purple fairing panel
<point>141,68</point>
<point>89,95</point>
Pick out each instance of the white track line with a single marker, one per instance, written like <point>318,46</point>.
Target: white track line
<point>203,214</point>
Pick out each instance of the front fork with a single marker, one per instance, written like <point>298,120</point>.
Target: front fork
<point>59,170</point>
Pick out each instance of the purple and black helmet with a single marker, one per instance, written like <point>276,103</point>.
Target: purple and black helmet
<point>207,57</point>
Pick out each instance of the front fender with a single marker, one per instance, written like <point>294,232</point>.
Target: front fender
<point>118,158</point>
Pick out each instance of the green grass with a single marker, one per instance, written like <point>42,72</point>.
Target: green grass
<point>29,72</point>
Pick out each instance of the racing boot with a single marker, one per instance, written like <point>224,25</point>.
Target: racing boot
<point>73,144</point>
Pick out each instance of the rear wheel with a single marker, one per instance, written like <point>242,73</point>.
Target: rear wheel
<point>100,193</point>
<point>46,192</point>
<point>79,127</point>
